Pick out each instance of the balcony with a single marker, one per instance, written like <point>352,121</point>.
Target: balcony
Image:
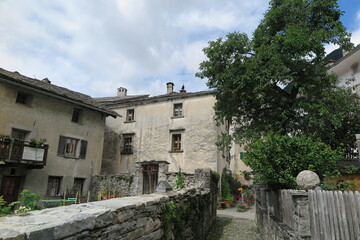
<point>23,153</point>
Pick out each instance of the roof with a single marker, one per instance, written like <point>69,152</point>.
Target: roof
<point>52,90</point>
<point>337,55</point>
<point>334,55</point>
<point>113,102</point>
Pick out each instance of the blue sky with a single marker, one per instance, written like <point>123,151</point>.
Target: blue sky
<point>136,44</point>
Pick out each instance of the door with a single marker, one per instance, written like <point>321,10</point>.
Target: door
<point>10,186</point>
<point>150,178</point>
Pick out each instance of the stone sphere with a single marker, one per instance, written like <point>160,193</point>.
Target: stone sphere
<point>307,180</point>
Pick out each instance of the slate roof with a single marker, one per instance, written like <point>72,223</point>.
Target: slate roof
<point>337,55</point>
<point>44,87</point>
<point>113,102</point>
<point>334,55</point>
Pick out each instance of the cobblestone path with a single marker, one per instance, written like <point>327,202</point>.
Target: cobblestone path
<point>232,225</point>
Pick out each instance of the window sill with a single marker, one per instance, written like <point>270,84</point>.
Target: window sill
<point>24,104</point>
<point>130,121</point>
<point>71,157</point>
<point>126,153</point>
<point>177,117</point>
<point>177,151</point>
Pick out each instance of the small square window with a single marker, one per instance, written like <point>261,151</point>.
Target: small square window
<point>20,134</point>
<point>128,144</point>
<point>178,112</point>
<point>53,187</point>
<point>130,115</point>
<point>77,115</point>
<point>176,142</point>
<point>23,98</point>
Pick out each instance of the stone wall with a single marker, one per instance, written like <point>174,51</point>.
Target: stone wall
<point>185,214</point>
<point>282,214</point>
<point>119,185</point>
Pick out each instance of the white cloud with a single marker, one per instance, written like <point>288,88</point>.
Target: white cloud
<point>95,48</point>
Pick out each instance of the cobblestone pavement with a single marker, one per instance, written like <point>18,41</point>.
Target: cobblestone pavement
<point>233,225</point>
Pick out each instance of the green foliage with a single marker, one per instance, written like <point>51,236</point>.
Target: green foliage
<point>4,210</point>
<point>175,219</point>
<point>225,189</point>
<point>180,180</point>
<point>277,159</point>
<point>28,201</point>
<point>348,170</point>
<point>229,185</point>
<point>338,185</point>
<point>277,80</point>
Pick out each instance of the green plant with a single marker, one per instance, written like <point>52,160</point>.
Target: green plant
<point>348,170</point>
<point>4,210</point>
<point>225,187</point>
<point>38,142</point>
<point>174,218</point>
<point>28,201</point>
<point>180,180</point>
<point>277,159</point>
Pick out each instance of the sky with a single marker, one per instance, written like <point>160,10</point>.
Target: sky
<point>95,47</point>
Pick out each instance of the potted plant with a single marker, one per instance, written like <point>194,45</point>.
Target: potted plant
<point>246,174</point>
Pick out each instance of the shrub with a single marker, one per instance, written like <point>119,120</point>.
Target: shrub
<point>278,159</point>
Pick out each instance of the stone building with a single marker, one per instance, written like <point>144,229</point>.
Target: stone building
<point>72,124</point>
<point>176,127</point>
<point>346,66</point>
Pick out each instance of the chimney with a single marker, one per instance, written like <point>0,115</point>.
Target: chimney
<point>46,80</point>
<point>169,87</point>
<point>121,92</point>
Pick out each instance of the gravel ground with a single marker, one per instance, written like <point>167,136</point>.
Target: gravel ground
<point>232,229</point>
<point>232,225</point>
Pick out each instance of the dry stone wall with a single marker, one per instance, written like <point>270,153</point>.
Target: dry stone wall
<point>186,214</point>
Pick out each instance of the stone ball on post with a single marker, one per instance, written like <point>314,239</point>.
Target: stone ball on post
<point>307,180</point>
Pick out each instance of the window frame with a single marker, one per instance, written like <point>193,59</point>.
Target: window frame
<point>178,111</point>
<point>82,181</point>
<point>176,142</point>
<point>55,180</point>
<point>70,147</point>
<point>24,98</point>
<point>77,115</point>
<point>128,146</point>
<point>16,132</point>
<point>130,115</point>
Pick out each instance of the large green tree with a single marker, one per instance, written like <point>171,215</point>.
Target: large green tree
<point>277,81</point>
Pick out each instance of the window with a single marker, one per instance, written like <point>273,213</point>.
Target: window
<point>128,144</point>
<point>176,142</point>
<point>178,110</point>
<point>23,98</point>
<point>72,147</point>
<point>354,68</point>
<point>19,134</point>
<point>53,187</point>
<point>78,185</point>
<point>77,115</point>
<point>130,116</point>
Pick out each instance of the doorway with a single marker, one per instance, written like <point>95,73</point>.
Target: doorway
<point>10,186</point>
<point>150,177</point>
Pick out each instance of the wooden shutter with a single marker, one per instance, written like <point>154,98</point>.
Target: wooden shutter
<point>83,148</point>
<point>61,148</point>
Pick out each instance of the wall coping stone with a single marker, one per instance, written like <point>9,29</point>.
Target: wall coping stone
<point>65,221</point>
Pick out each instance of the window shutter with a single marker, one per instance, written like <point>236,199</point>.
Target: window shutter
<point>61,149</point>
<point>83,149</point>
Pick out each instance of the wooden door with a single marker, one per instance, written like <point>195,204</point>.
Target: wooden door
<point>150,178</point>
<point>10,186</point>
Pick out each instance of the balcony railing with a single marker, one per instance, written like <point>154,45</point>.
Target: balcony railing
<point>23,153</point>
